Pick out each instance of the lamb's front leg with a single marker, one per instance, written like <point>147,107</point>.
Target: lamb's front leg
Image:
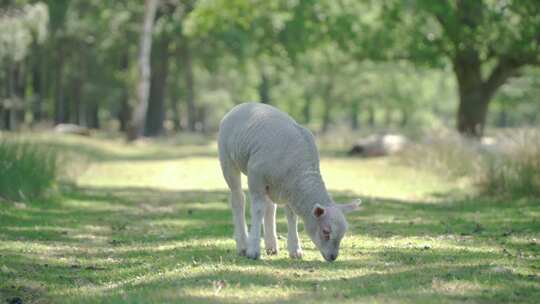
<point>293,243</point>
<point>254,239</point>
<point>270,233</point>
<point>257,192</point>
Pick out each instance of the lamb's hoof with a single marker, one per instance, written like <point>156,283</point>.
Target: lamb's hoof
<point>253,254</point>
<point>296,254</point>
<point>272,251</point>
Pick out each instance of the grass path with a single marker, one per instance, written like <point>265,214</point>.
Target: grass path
<point>151,224</point>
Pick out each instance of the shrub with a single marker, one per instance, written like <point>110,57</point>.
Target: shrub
<point>26,171</point>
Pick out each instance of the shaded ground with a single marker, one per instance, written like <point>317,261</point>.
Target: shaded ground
<point>127,233</point>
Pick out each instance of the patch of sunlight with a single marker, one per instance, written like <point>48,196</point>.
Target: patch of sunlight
<point>150,277</point>
<point>89,237</point>
<point>53,250</point>
<point>525,240</point>
<point>178,223</point>
<point>202,204</point>
<point>420,242</point>
<point>379,177</point>
<point>202,173</point>
<point>95,205</point>
<point>40,228</point>
<point>97,228</point>
<point>456,287</point>
<point>242,292</point>
<point>48,248</point>
<point>173,245</point>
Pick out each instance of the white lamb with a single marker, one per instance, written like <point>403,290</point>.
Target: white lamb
<point>281,162</point>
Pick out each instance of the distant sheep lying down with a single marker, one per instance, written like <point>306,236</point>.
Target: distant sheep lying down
<point>379,145</point>
<point>281,162</point>
<point>71,129</point>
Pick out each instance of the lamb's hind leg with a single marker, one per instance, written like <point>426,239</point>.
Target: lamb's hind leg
<point>237,201</point>
<point>270,233</point>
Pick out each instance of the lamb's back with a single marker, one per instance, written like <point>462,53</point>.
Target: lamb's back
<point>264,138</point>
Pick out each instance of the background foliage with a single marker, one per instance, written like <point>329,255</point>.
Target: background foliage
<point>384,64</point>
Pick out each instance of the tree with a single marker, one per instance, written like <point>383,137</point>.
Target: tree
<point>143,85</point>
<point>486,42</point>
<point>22,28</point>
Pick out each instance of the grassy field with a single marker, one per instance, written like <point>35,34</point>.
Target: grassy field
<point>150,223</point>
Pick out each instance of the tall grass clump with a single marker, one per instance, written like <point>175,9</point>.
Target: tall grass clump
<point>515,169</point>
<point>507,164</point>
<point>446,153</point>
<point>27,171</point>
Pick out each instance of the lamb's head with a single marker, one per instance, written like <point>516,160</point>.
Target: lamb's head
<point>328,227</point>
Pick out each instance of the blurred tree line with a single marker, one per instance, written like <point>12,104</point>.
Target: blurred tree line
<point>372,63</point>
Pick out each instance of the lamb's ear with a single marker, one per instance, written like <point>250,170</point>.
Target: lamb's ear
<point>318,211</point>
<point>355,205</point>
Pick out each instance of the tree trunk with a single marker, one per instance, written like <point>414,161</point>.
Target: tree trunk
<point>175,109</point>
<point>327,108</point>
<point>354,115</point>
<point>388,116</point>
<point>189,81</point>
<point>37,86</point>
<point>20,93</point>
<point>306,110</point>
<point>92,115</point>
<point>61,108</point>
<point>475,93</point>
<point>404,117</point>
<point>202,119</point>
<point>472,113</point>
<point>143,86</point>
<point>264,88</point>
<point>124,113</point>
<point>371,116</point>
<point>502,120</point>
<point>158,85</point>
<point>76,96</point>
<point>7,102</point>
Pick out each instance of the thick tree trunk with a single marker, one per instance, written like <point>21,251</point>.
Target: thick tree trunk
<point>143,86</point>
<point>472,113</point>
<point>475,93</point>
<point>264,88</point>
<point>156,107</point>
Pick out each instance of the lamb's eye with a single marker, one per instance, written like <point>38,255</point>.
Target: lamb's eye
<point>326,234</point>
